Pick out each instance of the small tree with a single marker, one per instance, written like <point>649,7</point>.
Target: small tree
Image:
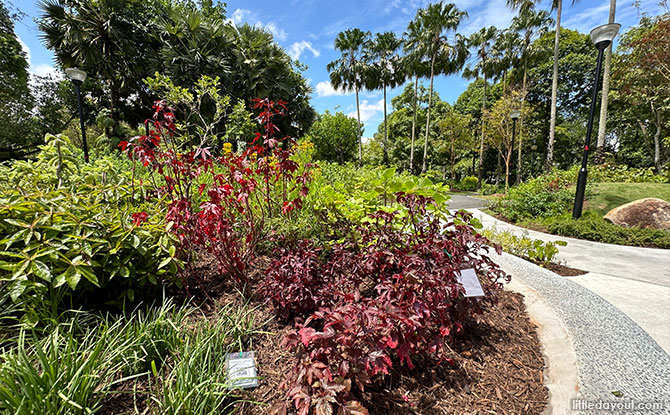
<point>499,127</point>
<point>335,137</point>
<point>455,128</point>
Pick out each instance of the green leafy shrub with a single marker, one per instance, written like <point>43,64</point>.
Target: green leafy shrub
<point>594,228</point>
<point>343,196</point>
<point>544,196</point>
<point>468,184</point>
<point>622,174</point>
<point>84,238</point>
<point>536,250</point>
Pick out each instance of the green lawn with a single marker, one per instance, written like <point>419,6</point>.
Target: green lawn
<point>604,197</point>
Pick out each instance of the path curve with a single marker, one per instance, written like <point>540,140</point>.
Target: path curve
<point>613,354</point>
<point>635,280</point>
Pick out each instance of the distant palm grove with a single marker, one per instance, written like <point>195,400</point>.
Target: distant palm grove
<point>534,66</point>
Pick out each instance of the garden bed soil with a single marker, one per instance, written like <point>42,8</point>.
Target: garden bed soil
<point>498,368</point>
<point>498,365</point>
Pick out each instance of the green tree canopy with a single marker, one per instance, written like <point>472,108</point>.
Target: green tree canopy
<point>335,137</point>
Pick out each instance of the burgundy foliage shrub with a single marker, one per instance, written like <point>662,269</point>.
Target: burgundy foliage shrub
<point>384,298</point>
<point>221,203</point>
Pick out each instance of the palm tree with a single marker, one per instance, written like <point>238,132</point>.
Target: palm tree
<point>482,42</point>
<point>348,71</point>
<point>436,21</point>
<point>505,54</point>
<point>602,123</point>
<point>100,37</point>
<point>386,70</point>
<point>415,65</point>
<point>530,24</point>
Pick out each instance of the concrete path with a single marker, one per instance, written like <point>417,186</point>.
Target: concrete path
<point>595,354</point>
<point>635,280</point>
<point>464,201</point>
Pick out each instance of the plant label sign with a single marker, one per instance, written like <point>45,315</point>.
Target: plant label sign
<point>242,370</point>
<point>470,282</point>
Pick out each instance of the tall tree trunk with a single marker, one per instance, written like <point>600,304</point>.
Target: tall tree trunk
<point>411,151</point>
<point>554,90</point>
<point>498,171</point>
<point>430,103</point>
<point>386,152</point>
<point>507,162</point>
<point>657,140</point>
<point>599,157</point>
<point>480,173</point>
<point>453,159</point>
<point>360,138</point>
<point>523,103</point>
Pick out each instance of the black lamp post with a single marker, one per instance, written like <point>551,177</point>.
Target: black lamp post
<point>601,37</point>
<point>77,76</point>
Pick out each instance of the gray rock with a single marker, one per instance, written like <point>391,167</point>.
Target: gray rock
<point>647,213</point>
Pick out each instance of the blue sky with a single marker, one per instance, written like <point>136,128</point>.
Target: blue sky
<point>307,28</point>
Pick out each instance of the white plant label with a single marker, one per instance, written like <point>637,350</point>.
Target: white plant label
<point>242,370</point>
<point>470,282</point>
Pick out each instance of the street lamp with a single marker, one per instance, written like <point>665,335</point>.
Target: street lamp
<point>601,37</point>
<point>77,76</point>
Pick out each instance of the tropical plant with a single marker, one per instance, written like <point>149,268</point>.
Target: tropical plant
<point>482,42</point>
<point>599,156</point>
<point>335,137</point>
<point>530,24</point>
<point>456,128</point>
<point>416,66</point>
<point>389,295</point>
<point>349,70</point>
<point>429,36</point>
<point>386,70</point>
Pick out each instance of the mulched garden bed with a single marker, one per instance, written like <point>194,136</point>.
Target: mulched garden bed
<point>498,364</point>
<point>498,369</point>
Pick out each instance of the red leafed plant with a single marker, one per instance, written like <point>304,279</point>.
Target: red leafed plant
<point>377,301</point>
<point>221,203</point>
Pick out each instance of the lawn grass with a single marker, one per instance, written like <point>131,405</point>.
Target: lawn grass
<point>604,197</point>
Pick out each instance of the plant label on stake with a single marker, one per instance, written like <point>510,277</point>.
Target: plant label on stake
<point>470,282</point>
<point>241,368</point>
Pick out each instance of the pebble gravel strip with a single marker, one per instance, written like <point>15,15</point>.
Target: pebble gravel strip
<point>615,356</point>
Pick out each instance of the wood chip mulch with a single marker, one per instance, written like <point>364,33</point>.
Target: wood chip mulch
<point>498,364</point>
<point>498,369</point>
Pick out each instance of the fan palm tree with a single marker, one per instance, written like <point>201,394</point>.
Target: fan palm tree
<point>349,70</point>
<point>530,24</point>
<point>100,37</point>
<point>481,42</point>
<point>446,55</point>
<point>386,70</point>
<point>602,123</point>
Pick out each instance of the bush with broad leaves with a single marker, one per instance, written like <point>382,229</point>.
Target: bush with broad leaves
<point>377,300</point>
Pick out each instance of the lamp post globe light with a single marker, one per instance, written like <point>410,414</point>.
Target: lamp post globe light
<point>601,37</point>
<point>77,76</point>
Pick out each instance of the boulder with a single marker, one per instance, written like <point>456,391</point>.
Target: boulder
<point>647,213</point>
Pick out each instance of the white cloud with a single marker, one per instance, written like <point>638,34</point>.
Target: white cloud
<point>368,111</point>
<point>278,33</point>
<point>238,15</point>
<point>41,69</point>
<point>297,48</point>
<point>325,89</point>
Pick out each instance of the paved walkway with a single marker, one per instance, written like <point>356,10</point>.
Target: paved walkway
<point>464,201</point>
<point>635,280</point>
<point>614,360</point>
